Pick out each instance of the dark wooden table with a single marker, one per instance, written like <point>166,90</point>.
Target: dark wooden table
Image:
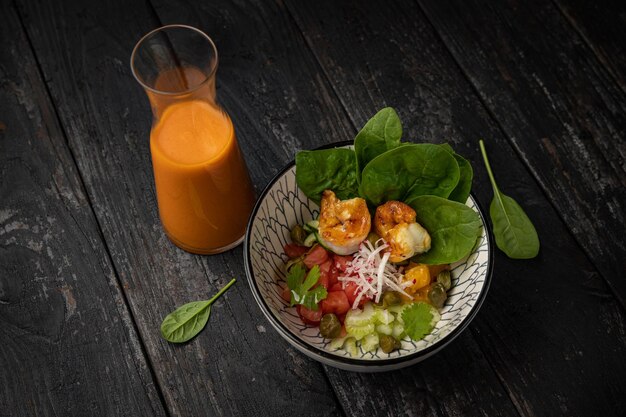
<point>87,275</point>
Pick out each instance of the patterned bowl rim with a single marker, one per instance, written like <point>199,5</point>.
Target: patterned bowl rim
<point>327,357</point>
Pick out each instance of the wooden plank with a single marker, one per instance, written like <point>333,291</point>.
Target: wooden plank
<point>238,365</point>
<point>550,327</point>
<point>601,25</point>
<point>559,107</point>
<point>68,345</point>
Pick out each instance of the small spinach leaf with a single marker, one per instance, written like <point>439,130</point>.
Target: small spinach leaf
<point>514,232</point>
<point>462,190</point>
<point>409,171</point>
<point>327,169</point>
<point>189,319</point>
<point>453,228</point>
<point>380,134</point>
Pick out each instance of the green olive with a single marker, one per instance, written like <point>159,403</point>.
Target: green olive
<point>330,327</point>
<point>444,279</point>
<point>388,343</point>
<point>298,234</point>
<point>391,298</point>
<point>437,295</point>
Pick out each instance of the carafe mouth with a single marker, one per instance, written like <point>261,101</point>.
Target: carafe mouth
<point>159,50</point>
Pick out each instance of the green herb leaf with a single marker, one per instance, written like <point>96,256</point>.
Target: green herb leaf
<point>327,169</point>
<point>301,292</point>
<point>462,190</point>
<point>419,320</point>
<point>380,134</point>
<point>408,171</point>
<point>295,276</point>
<point>453,228</point>
<point>189,319</point>
<point>514,232</point>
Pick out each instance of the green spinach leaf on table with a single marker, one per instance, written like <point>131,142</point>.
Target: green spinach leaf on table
<point>408,171</point>
<point>189,319</point>
<point>327,169</point>
<point>453,228</point>
<point>514,232</point>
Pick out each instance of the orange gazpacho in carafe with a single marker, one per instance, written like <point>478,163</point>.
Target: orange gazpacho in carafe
<point>203,188</point>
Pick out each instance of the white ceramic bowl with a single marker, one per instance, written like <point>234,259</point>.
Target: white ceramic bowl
<point>281,206</point>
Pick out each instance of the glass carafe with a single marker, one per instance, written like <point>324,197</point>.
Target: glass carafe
<point>203,187</point>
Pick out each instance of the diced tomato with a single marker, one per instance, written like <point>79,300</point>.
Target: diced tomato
<point>293,251</point>
<point>333,276</point>
<point>341,262</point>
<point>286,294</point>
<point>337,286</point>
<point>325,267</point>
<point>335,302</point>
<point>343,333</point>
<point>351,291</point>
<point>316,256</point>
<point>323,280</point>
<point>309,316</point>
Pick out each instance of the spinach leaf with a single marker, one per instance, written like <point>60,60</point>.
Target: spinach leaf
<point>189,319</point>
<point>327,169</point>
<point>514,232</point>
<point>462,190</point>
<point>380,134</point>
<point>409,171</point>
<point>453,228</point>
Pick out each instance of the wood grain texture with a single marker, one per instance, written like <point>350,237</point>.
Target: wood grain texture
<point>546,321</point>
<point>68,346</point>
<point>601,25</point>
<point>238,365</point>
<point>560,108</point>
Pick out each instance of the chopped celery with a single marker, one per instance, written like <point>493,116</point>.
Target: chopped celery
<point>370,342</point>
<point>337,343</point>
<point>398,331</point>
<point>356,318</point>
<point>350,346</point>
<point>384,329</point>
<point>383,316</point>
<point>359,332</point>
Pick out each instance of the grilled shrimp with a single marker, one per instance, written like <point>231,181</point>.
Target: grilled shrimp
<point>343,224</point>
<point>395,222</point>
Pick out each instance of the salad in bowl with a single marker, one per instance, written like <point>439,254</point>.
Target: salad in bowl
<point>371,255</point>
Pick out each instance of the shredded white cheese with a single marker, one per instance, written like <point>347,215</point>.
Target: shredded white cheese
<point>372,273</point>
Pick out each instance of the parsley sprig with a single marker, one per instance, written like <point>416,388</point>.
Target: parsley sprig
<point>300,284</point>
<point>418,320</point>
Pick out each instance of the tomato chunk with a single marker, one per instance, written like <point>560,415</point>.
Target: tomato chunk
<point>293,251</point>
<point>336,302</point>
<point>336,287</point>
<point>286,294</point>
<point>311,317</point>
<point>352,292</point>
<point>342,262</point>
<point>316,256</point>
